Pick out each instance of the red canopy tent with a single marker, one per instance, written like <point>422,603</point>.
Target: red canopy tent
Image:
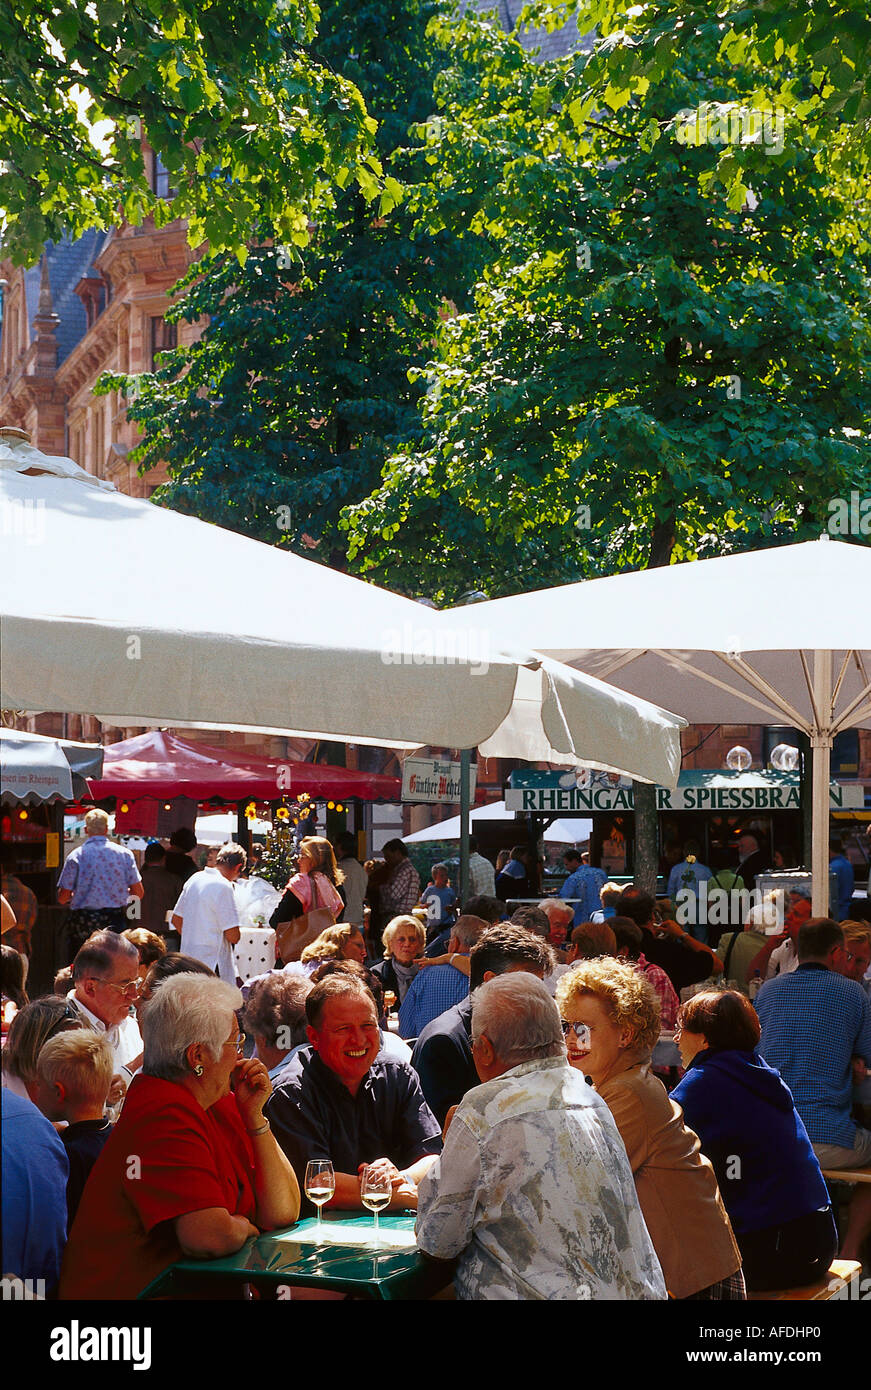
<point>158,765</point>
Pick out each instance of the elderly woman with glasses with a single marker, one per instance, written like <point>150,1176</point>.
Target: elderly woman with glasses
<point>610,1018</point>
<point>192,1169</point>
<point>404,941</point>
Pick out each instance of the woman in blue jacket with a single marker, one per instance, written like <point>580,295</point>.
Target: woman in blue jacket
<point>749,1128</point>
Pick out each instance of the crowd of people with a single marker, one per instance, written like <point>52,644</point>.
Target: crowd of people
<point>498,1069</point>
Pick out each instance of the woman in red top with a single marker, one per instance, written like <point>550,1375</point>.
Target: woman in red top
<point>191,1168</point>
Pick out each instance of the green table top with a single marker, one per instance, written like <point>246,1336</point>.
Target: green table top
<point>344,1257</point>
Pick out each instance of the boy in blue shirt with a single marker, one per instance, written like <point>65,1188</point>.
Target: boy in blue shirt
<point>439,899</point>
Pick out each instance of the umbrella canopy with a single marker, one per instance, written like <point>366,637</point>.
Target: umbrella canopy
<point>158,764</point>
<point>772,636</point>
<point>568,832</point>
<point>218,830</point>
<point>128,633</point>
<point>34,772</point>
<point>560,832</point>
<point>36,768</point>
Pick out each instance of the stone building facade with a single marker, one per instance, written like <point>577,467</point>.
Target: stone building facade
<point>90,306</point>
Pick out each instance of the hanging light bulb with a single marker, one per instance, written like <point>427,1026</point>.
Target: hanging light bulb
<point>124,808</point>
<point>784,758</point>
<point>739,759</point>
<point>22,815</point>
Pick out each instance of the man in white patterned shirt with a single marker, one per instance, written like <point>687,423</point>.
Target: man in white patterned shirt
<point>533,1194</point>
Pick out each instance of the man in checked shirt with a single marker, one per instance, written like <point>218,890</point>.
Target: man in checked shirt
<point>401,892</point>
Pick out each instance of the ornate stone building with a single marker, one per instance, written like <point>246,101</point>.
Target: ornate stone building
<point>93,305</point>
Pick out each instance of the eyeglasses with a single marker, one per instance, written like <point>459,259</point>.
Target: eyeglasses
<point>238,1043</point>
<point>125,986</point>
<point>865,960</point>
<point>580,1030</point>
<point>69,1015</point>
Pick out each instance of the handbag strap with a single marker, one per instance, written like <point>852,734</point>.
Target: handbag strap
<point>729,950</point>
<point>313,879</point>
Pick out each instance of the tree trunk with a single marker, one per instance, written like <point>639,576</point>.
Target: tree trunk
<point>646,848</point>
<point>646,858</point>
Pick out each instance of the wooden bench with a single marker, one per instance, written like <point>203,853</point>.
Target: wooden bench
<point>846,1174</point>
<point>837,1284</point>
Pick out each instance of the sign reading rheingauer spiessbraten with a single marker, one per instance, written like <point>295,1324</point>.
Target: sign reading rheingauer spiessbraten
<point>749,792</point>
<point>430,779</point>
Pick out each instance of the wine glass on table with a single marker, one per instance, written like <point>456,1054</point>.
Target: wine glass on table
<point>320,1183</point>
<point>375,1192</point>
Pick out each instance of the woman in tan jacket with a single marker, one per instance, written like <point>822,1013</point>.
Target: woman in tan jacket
<point>611,1020</point>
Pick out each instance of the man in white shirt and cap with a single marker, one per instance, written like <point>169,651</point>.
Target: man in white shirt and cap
<point>207,915</point>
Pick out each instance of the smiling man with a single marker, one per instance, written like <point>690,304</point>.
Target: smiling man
<point>339,1100</point>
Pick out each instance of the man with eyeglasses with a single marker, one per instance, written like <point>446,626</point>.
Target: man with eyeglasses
<point>106,983</point>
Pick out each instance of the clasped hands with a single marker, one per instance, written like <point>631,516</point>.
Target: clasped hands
<point>403,1191</point>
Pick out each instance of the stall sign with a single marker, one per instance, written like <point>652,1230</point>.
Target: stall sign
<point>432,780</point>
<point>546,793</point>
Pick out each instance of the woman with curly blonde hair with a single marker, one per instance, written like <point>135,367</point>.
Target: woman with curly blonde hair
<point>610,1018</point>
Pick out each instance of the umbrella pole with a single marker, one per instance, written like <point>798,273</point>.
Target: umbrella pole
<point>465,808</point>
<point>243,834</point>
<point>821,743</point>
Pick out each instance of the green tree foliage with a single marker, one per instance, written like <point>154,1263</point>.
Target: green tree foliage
<point>247,121</point>
<point>649,371</point>
<point>811,61</point>
<point>288,407</point>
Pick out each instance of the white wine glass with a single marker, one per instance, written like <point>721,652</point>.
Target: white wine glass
<point>320,1183</point>
<point>375,1192</point>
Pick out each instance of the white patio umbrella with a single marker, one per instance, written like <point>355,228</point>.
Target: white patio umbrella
<point>560,832</point>
<point>38,768</point>
<point>770,636</point>
<point>33,771</point>
<point>141,615</point>
<point>218,829</point>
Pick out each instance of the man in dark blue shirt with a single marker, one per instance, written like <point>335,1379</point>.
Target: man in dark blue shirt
<point>840,866</point>
<point>442,1055</point>
<point>338,1100</point>
<point>815,1023</point>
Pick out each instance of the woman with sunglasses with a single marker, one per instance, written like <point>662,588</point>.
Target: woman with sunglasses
<point>611,1016</point>
<point>29,1030</point>
<point>192,1168</point>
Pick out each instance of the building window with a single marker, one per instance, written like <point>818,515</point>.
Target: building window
<point>159,177</point>
<point>99,443</point>
<point>163,338</point>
